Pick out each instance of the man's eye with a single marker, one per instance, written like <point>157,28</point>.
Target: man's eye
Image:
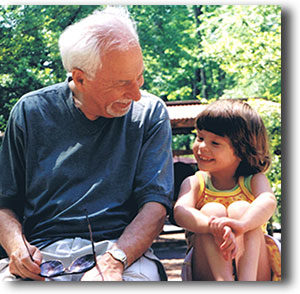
<point>122,84</point>
<point>215,143</point>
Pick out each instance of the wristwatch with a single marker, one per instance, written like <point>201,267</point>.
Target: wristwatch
<point>119,255</point>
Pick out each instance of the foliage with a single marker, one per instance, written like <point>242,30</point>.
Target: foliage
<point>246,42</point>
<point>183,142</point>
<point>29,55</point>
<point>190,52</point>
<point>270,113</point>
<point>168,40</point>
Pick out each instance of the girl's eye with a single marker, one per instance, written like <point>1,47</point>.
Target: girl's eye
<point>200,139</point>
<point>215,143</point>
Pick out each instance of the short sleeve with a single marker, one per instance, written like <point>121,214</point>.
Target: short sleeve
<point>154,176</point>
<point>12,172</point>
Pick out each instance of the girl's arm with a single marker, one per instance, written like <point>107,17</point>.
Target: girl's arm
<point>185,213</point>
<point>259,212</point>
<point>263,207</point>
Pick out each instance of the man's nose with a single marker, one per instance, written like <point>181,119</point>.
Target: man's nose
<point>133,92</point>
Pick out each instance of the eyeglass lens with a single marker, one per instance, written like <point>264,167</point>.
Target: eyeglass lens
<point>54,268</point>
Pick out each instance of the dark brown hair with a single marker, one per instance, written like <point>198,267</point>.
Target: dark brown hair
<point>245,129</point>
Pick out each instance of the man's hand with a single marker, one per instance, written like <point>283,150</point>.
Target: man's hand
<point>107,269</point>
<point>135,240</point>
<point>21,265</point>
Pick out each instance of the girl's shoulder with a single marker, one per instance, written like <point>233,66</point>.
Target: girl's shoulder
<point>260,184</point>
<point>194,183</point>
<point>189,189</point>
<point>258,178</point>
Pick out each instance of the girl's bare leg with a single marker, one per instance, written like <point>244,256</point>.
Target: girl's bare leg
<point>252,259</point>
<point>200,266</point>
<point>264,266</point>
<point>207,262</point>
<point>254,263</point>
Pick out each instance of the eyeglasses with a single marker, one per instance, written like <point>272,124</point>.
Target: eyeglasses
<point>55,268</point>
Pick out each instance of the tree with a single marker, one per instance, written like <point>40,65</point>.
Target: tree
<point>29,55</point>
<point>190,52</point>
<point>168,39</point>
<point>246,43</point>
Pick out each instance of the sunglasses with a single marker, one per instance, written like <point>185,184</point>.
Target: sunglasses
<point>55,268</point>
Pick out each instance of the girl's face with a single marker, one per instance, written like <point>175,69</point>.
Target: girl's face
<point>215,154</point>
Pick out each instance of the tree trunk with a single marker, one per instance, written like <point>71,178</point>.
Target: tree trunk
<point>199,72</point>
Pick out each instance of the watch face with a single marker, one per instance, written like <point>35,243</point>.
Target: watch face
<point>118,254</point>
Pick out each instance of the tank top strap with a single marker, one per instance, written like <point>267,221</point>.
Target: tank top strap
<point>200,177</point>
<point>247,193</point>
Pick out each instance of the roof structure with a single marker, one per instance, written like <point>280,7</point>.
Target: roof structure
<point>182,115</point>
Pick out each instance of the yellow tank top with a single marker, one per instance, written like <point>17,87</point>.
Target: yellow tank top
<point>206,195</point>
<point>239,193</point>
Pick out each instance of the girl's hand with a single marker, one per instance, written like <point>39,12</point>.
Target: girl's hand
<point>224,237</point>
<point>229,246</point>
<point>217,225</point>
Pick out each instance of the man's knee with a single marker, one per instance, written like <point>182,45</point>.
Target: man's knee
<point>214,209</point>
<point>5,274</point>
<point>143,269</point>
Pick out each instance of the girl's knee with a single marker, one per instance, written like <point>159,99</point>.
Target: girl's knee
<point>214,209</point>
<point>237,209</point>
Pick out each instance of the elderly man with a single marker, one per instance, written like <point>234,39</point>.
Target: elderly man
<point>86,165</point>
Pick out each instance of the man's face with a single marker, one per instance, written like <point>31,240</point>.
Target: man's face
<point>116,84</point>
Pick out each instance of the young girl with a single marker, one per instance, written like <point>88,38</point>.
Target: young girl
<point>225,206</point>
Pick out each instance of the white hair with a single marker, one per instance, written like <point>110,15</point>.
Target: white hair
<point>83,44</point>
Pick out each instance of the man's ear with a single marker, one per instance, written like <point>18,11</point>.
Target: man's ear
<point>78,78</point>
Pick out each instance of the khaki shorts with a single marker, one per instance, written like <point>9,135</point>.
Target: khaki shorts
<point>67,250</point>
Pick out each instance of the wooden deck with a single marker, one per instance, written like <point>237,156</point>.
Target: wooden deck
<point>170,248</point>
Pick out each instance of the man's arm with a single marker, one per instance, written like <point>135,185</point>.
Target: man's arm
<point>135,240</point>
<point>145,227</point>
<point>11,240</point>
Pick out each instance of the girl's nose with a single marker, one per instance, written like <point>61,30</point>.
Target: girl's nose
<point>202,146</point>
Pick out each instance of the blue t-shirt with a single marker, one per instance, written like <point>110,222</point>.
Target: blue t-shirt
<point>55,163</point>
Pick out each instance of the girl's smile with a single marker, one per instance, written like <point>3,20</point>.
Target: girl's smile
<point>203,158</point>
